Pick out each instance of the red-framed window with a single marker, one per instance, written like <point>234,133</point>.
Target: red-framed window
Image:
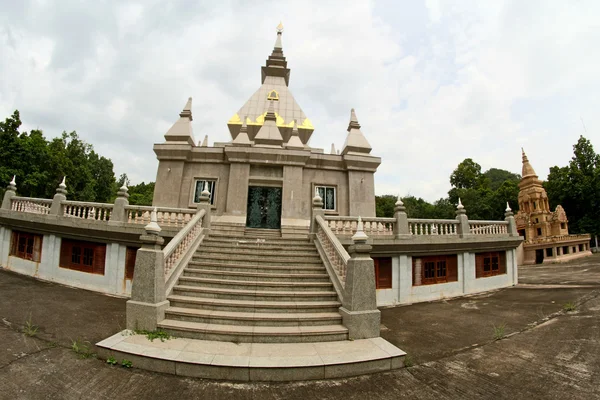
<point>431,270</point>
<point>130,255</point>
<point>383,272</point>
<point>27,246</point>
<point>490,264</point>
<point>83,256</point>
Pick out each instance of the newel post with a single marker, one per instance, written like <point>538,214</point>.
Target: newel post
<point>401,227</point>
<point>463,220</point>
<point>205,205</point>
<point>317,209</point>
<point>11,191</point>
<point>59,197</point>
<point>512,225</point>
<point>359,308</point>
<point>118,212</point>
<point>148,297</point>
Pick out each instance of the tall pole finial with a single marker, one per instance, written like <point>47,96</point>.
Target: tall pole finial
<point>280,27</point>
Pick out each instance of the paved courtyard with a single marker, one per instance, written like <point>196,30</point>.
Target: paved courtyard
<point>549,352</point>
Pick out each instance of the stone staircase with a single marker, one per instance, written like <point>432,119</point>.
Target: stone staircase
<point>254,288</point>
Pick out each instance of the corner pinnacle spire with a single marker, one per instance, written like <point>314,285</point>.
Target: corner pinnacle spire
<point>355,141</point>
<point>527,168</point>
<point>181,131</point>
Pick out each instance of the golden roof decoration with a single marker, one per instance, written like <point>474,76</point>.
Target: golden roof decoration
<point>280,27</point>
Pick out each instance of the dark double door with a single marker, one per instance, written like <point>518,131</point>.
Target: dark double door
<point>264,207</point>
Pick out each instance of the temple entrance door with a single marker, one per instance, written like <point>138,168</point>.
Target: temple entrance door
<point>264,207</point>
<point>539,256</point>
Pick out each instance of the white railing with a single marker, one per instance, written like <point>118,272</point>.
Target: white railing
<point>174,217</point>
<point>87,210</point>
<point>488,227</point>
<point>371,226</point>
<point>177,248</point>
<point>336,255</point>
<point>419,227</point>
<point>31,205</point>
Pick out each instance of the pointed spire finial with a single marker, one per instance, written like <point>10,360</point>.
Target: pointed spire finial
<point>205,141</point>
<point>280,27</point>
<point>187,110</point>
<point>360,236</point>
<point>13,182</point>
<point>508,209</point>
<point>399,202</point>
<point>332,149</point>
<point>459,206</point>
<point>63,184</point>
<point>271,112</point>
<point>294,141</point>
<point>153,228</point>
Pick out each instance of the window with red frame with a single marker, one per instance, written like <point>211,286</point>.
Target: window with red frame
<point>383,272</point>
<point>27,246</point>
<point>490,264</point>
<point>83,256</point>
<point>431,270</point>
<point>130,255</point>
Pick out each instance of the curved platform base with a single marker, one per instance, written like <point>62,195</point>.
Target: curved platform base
<point>254,361</point>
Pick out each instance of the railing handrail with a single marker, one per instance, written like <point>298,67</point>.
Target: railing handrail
<point>32,199</point>
<point>433,221</point>
<point>86,203</point>
<point>331,236</point>
<point>482,222</point>
<point>182,233</point>
<point>365,219</point>
<point>169,209</point>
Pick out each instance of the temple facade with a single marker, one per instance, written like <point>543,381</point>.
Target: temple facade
<point>546,232</point>
<point>266,176</point>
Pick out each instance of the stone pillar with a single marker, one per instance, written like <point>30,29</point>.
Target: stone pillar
<point>359,308</point>
<point>512,225</point>
<point>11,191</point>
<point>463,220</point>
<point>401,227</point>
<point>148,296</point>
<point>204,204</point>
<point>119,214</point>
<point>317,209</point>
<point>60,196</point>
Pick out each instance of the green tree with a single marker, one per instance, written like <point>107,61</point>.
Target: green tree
<point>384,205</point>
<point>467,175</point>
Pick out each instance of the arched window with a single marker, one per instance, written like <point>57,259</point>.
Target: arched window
<point>273,95</point>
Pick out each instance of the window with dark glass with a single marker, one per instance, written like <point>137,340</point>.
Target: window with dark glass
<point>490,264</point>
<point>82,256</point>
<point>27,246</point>
<point>434,269</point>
<point>200,187</point>
<point>327,193</point>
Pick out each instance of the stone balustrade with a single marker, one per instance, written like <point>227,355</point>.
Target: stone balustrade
<point>488,227</point>
<point>178,246</point>
<point>31,205</point>
<point>87,210</point>
<point>335,254</point>
<point>417,227</point>
<point>372,226</point>
<point>560,238</point>
<point>173,217</point>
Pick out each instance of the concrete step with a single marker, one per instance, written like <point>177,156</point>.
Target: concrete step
<point>250,318</point>
<point>256,276</point>
<point>255,285</point>
<point>253,249</point>
<point>215,235</point>
<point>223,265</point>
<point>206,303</point>
<point>257,295</point>
<point>234,255</point>
<point>231,243</point>
<point>254,334</point>
<point>266,233</point>
<point>258,260</point>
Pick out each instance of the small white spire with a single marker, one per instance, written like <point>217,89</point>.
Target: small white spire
<point>124,188</point>
<point>360,235</point>
<point>153,228</point>
<point>63,184</point>
<point>205,141</point>
<point>332,149</point>
<point>205,191</point>
<point>459,206</point>
<point>399,202</point>
<point>14,182</point>
<point>508,207</point>
<point>317,196</point>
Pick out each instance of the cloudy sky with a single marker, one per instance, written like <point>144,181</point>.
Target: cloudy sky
<point>432,82</point>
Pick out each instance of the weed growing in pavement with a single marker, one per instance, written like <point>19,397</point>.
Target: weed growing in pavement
<point>82,349</point>
<point>499,331</point>
<point>408,360</point>
<point>570,307</point>
<point>111,360</point>
<point>29,328</point>
<point>157,334</point>
<point>126,363</point>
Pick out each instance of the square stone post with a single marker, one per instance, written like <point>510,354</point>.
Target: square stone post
<point>118,214</point>
<point>401,226</point>
<point>11,191</point>
<point>148,297</point>
<point>512,225</point>
<point>359,308</point>
<point>205,205</point>
<point>317,209</point>
<point>60,196</point>
<point>463,221</point>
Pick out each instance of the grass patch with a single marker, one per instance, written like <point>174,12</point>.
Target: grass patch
<point>157,334</point>
<point>82,349</point>
<point>408,361</point>
<point>570,306</point>
<point>29,328</point>
<point>499,331</point>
